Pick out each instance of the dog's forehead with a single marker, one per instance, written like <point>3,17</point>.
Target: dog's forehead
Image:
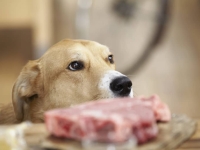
<point>69,50</point>
<point>91,46</point>
<point>78,47</point>
<point>94,49</point>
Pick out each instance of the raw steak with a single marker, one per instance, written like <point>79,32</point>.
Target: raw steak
<point>161,110</point>
<point>111,120</point>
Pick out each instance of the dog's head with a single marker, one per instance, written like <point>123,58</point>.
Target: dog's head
<point>70,72</point>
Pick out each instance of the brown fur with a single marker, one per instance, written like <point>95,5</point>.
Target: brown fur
<point>7,114</point>
<point>46,83</point>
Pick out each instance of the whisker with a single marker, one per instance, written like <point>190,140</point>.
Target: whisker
<point>130,75</point>
<point>135,94</point>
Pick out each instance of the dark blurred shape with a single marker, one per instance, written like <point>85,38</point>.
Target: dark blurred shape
<point>124,8</point>
<point>155,40</point>
<point>16,44</point>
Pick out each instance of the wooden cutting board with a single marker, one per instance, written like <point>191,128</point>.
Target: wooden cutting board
<point>171,135</point>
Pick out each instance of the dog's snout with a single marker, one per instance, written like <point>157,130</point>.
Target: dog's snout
<point>121,86</point>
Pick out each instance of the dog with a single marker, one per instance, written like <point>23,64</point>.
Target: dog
<point>69,73</point>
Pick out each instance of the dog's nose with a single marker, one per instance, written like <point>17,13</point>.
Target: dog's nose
<point>121,86</point>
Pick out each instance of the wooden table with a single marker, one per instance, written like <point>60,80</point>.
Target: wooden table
<point>37,132</point>
<point>194,142</point>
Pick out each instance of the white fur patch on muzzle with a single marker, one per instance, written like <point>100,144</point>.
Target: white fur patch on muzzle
<point>105,84</point>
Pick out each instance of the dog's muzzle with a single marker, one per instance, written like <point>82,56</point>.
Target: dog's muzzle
<point>115,84</point>
<point>121,86</point>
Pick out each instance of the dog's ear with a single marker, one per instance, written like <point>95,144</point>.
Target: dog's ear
<point>27,86</point>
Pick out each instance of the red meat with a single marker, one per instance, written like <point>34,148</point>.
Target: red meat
<point>161,110</point>
<point>111,120</point>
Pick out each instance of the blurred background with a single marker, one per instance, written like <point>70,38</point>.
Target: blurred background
<point>155,42</point>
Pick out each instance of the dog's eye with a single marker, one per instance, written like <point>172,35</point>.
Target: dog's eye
<point>110,58</point>
<point>75,65</point>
